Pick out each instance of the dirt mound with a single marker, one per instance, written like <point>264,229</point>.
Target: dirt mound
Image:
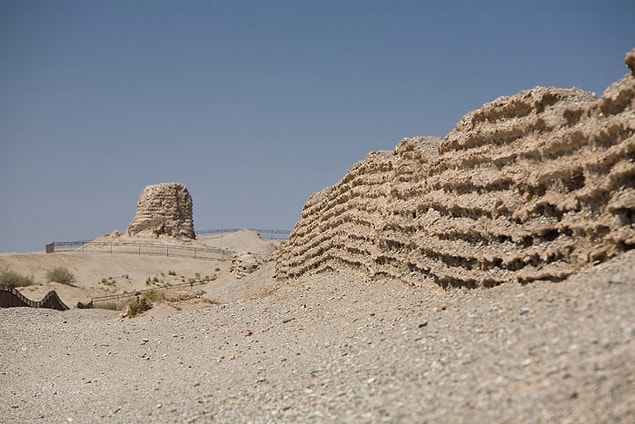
<point>241,241</point>
<point>529,187</point>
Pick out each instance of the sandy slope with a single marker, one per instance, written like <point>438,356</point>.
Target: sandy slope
<point>332,349</point>
<point>129,271</point>
<point>90,268</point>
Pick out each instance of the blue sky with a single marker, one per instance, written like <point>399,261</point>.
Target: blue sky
<point>255,105</point>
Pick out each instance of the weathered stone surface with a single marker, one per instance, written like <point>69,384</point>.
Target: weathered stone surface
<point>244,263</point>
<point>164,210</point>
<point>528,187</point>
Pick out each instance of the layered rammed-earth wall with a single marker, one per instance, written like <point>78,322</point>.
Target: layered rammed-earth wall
<point>529,187</point>
<point>164,210</point>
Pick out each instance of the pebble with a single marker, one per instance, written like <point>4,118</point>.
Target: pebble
<point>475,362</point>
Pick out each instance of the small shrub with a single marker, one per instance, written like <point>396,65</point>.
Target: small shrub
<point>13,279</point>
<point>172,273</point>
<point>155,279</point>
<point>217,270</point>
<point>148,281</point>
<point>108,281</point>
<point>61,275</point>
<point>144,302</point>
<point>137,306</point>
<point>153,296</point>
<point>198,275</point>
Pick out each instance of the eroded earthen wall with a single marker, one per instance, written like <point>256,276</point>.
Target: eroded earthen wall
<point>528,187</point>
<point>164,210</point>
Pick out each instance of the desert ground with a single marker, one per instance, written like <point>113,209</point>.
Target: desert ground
<point>485,277</point>
<point>326,348</point>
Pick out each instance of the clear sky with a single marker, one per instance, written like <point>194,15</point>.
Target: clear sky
<point>255,105</point>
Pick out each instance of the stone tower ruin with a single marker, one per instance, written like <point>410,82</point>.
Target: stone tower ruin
<point>164,210</point>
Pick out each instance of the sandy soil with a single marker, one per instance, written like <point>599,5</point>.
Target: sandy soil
<point>130,272</point>
<point>327,348</point>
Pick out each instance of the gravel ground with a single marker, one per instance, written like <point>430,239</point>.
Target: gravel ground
<point>332,349</point>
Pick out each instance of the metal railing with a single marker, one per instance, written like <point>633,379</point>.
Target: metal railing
<point>120,299</point>
<point>194,252</point>
<point>157,249</point>
<point>264,233</point>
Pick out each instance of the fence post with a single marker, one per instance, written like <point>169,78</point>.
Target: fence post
<point>111,248</point>
<point>139,248</point>
<point>167,250</point>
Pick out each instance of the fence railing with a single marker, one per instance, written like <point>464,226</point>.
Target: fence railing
<point>194,252</point>
<point>266,233</point>
<point>121,299</point>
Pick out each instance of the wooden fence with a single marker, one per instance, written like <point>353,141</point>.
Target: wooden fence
<point>120,299</point>
<point>10,297</point>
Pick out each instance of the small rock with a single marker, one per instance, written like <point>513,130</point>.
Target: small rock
<point>423,324</point>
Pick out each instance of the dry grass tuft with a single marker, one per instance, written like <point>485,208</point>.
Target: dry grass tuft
<point>61,275</point>
<point>13,279</point>
<point>143,303</point>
